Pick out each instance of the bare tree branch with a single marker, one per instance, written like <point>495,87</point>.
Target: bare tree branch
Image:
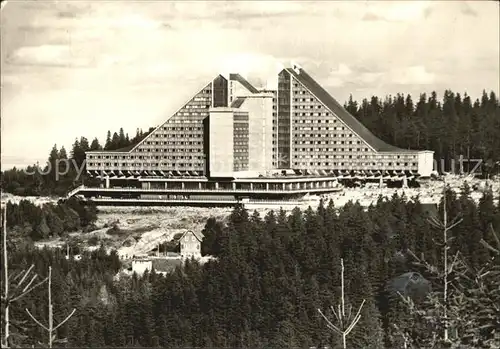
<point>51,329</point>
<point>341,316</point>
<point>28,291</point>
<point>37,322</point>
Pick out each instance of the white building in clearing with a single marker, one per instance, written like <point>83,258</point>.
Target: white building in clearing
<point>139,266</point>
<point>191,244</point>
<point>161,265</point>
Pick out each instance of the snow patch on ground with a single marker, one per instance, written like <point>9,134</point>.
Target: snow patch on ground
<point>429,192</point>
<point>37,200</point>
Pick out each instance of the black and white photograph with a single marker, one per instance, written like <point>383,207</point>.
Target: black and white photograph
<point>250,174</point>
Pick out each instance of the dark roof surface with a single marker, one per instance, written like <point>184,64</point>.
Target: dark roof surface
<point>238,102</point>
<point>122,150</point>
<point>165,265</point>
<point>430,208</point>
<point>125,149</point>
<point>330,102</point>
<point>244,82</point>
<point>199,235</point>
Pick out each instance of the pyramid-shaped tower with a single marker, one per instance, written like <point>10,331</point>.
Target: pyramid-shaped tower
<point>230,129</point>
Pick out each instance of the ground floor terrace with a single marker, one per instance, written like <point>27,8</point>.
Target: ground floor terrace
<point>198,188</point>
<point>119,189</point>
<point>206,201</point>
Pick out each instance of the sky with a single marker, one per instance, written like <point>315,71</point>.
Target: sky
<point>81,68</point>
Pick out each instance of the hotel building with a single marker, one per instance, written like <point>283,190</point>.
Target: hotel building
<point>233,135</point>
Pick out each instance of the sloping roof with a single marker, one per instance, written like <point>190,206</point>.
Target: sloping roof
<point>198,235</point>
<point>332,104</point>
<point>244,82</point>
<point>409,284</point>
<point>165,265</point>
<point>238,102</point>
<point>124,149</point>
<point>430,208</point>
<point>121,150</point>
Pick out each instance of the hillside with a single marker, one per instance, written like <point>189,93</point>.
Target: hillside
<point>138,230</point>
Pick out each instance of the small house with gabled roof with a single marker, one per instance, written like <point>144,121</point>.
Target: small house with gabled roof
<point>190,243</point>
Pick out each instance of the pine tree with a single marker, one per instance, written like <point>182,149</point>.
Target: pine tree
<point>108,143</point>
<point>95,145</point>
<point>54,156</point>
<point>79,149</point>
<point>75,149</point>
<point>122,142</point>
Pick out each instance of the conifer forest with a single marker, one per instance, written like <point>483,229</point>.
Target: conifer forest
<point>274,276</point>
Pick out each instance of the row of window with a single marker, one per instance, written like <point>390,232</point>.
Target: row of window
<point>316,115</point>
<point>330,149</point>
<point>178,135</point>
<point>308,107</point>
<point>191,113</point>
<point>241,117</point>
<point>324,135</point>
<point>300,92</point>
<point>180,128</point>
<point>330,156</point>
<point>327,142</point>
<point>178,119</point>
<point>405,164</point>
<point>327,149</point>
<point>181,134</point>
<point>146,164</point>
<point>309,120</point>
<point>238,143</point>
<point>199,99</point>
<point>172,150</point>
<point>139,157</point>
<point>311,128</point>
<point>305,100</point>
<point>146,149</point>
<point>344,164</point>
<point>200,106</point>
<point>385,157</point>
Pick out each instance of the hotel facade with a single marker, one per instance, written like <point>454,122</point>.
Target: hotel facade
<point>232,134</point>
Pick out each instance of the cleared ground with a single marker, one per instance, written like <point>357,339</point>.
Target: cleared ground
<point>138,230</point>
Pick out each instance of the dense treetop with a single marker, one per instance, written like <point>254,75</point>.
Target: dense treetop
<point>271,275</point>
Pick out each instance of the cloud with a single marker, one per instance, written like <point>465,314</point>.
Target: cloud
<point>47,55</point>
<point>130,22</point>
<point>467,9</point>
<point>340,76</point>
<point>335,81</point>
<point>370,16</point>
<point>398,11</point>
<point>412,75</point>
<point>83,67</point>
<point>243,63</point>
<point>370,78</point>
<point>342,70</point>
